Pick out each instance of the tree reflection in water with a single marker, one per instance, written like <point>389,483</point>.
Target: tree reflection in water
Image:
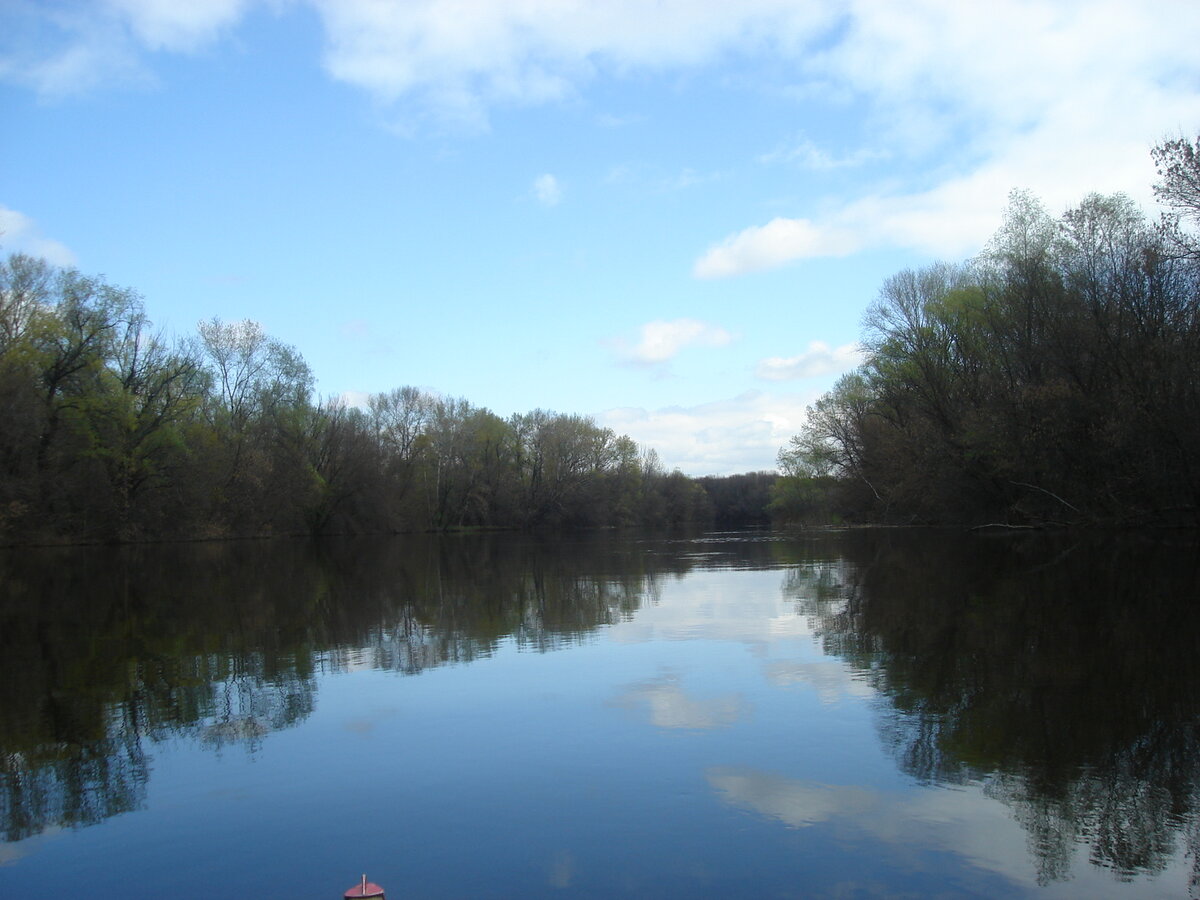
<point>1062,673</point>
<point>104,653</point>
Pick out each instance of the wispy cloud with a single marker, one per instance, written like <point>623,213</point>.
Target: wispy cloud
<point>690,178</point>
<point>807,155</point>
<point>611,120</point>
<point>658,181</point>
<point>547,190</point>
<point>543,50</point>
<point>172,25</point>
<point>660,341</point>
<point>1016,93</point>
<point>69,48</point>
<point>354,399</point>
<point>19,233</point>
<point>954,217</point>
<point>1058,97</point>
<point>456,65</point>
<point>720,437</point>
<point>821,359</point>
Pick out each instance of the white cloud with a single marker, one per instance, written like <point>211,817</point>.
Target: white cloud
<point>723,437</point>
<point>954,218</point>
<point>1058,96</point>
<point>66,54</point>
<point>536,50</point>
<point>821,359</point>
<point>354,399</point>
<point>768,246</point>
<point>73,47</point>
<point>175,25</point>
<point>940,77</point>
<point>20,234</point>
<point>660,341</point>
<point>547,190</point>
<point>457,57</point>
<point>967,74</point>
<point>1061,98</point>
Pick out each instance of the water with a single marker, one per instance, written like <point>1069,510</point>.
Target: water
<point>873,714</point>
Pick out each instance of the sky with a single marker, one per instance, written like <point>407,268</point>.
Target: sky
<point>669,215</point>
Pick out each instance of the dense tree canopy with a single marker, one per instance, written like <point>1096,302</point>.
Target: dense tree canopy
<point>1051,379</point>
<point>111,431</point>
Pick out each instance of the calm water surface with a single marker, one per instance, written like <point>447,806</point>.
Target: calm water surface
<point>753,715</point>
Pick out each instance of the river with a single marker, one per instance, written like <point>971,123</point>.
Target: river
<point>836,714</point>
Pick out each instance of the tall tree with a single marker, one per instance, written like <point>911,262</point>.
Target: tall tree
<point>1178,165</point>
<point>1050,379</point>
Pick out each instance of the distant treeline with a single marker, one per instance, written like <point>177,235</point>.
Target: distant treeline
<point>110,430</point>
<point>1053,379</point>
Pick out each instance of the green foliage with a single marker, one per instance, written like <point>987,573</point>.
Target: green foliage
<point>1049,380</point>
<point>740,500</point>
<point>111,432</point>
<point>804,500</point>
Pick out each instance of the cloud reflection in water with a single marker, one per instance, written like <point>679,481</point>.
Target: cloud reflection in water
<point>670,706</point>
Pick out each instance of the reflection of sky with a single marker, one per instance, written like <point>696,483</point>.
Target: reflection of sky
<point>832,680</point>
<point>770,615</point>
<point>11,853</point>
<point>743,606</point>
<point>703,746</point>
<point>756,609</point>
<point>561,869</point>
<point>961,821</point>
<point>670,706</point>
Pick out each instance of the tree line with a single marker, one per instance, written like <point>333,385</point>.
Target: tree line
<point>1055,378</point>
<point>111,430</point>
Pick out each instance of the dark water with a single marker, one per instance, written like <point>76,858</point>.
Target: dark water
<point>843,715</point>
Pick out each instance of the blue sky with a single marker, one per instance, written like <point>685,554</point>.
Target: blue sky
<point>670,216</point>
